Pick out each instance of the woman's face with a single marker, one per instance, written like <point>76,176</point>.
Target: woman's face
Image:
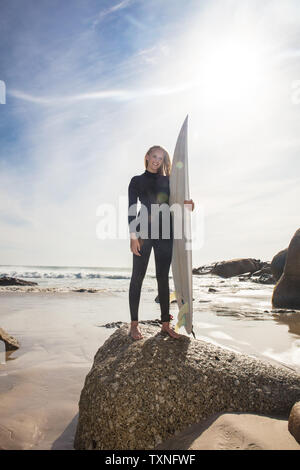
<point>155,160</point>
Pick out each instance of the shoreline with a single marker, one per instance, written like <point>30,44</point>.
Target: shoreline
<point>228,327</point>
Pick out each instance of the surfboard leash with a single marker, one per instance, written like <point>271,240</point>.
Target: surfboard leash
<point>193,332</point>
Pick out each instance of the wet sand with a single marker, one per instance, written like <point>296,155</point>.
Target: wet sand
<point>235,431</point>
<point>40,383</point>
<point>239,315</point>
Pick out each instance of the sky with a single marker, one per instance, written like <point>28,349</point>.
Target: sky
<point>90,85</point>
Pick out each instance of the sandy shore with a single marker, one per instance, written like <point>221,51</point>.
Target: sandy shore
<point>40,383</point>
<point>235,431</point>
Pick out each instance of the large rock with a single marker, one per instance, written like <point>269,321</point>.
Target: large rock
<point>10,342</point>
<point>294,421</point>
<point>205,269</point>
<point>262,276</point>
<point>13,281</point>
<point>286,292</point>
<point>266,269</point>
<point>140,393</point>
<point>235,267</point>
<point>277,264</point>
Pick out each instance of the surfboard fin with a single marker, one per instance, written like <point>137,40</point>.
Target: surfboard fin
<point>181,318</point>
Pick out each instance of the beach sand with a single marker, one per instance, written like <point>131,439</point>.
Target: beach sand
<point>235,431</point>
<point>40,384</point>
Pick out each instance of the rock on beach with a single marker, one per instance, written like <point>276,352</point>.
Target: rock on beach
<point>14,281</point>
<point>234,267</point>
<point>294,422</point>
<point>286,293</point>
<point>141,393</point>
<point>11,344</point>
<point>277,264</point>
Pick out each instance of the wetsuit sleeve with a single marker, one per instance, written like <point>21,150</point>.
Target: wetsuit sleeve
<point>132,199</point>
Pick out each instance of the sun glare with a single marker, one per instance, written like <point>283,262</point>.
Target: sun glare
<point>229,72</point>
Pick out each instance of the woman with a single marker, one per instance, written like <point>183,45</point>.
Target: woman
<point>151,187</point>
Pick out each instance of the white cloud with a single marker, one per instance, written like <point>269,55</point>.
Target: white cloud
<point>118,95</point>
<point>108,11</point>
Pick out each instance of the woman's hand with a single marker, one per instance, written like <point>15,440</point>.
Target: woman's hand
<point>135,245</point>
<point>188,202</point>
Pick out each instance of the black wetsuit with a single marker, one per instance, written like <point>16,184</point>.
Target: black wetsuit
<point>150,188</point>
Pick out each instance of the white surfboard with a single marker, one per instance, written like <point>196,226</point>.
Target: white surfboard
<point>182,247</point>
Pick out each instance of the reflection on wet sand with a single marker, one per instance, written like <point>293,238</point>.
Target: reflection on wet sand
<point>246,321</point>
<point>241,315</point>
<point>290,318</point>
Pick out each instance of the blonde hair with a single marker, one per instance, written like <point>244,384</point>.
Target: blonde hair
<point>165,167</point>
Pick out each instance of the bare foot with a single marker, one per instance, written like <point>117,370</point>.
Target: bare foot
<point>166,328</point>
<point>135,332</point>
